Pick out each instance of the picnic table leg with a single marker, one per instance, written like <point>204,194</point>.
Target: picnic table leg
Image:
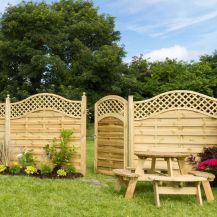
<point>182,166</point>
<point>156,194</point>
<point>140,166</point>
<point>208,191</point>
<point>169,166</point>
<point>198,195</point>
<point>131,188</point>
<point>120,182</point>
<point>153,163</point>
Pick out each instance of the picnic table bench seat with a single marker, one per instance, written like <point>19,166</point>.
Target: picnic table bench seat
<point>179,189</point>
<point>126,178</point>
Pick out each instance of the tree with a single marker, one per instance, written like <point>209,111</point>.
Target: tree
<point>154,78</point>
<point>65,48</point>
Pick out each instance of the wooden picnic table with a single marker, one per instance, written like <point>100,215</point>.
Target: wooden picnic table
<point>168,156</point>
<point>126,177</point>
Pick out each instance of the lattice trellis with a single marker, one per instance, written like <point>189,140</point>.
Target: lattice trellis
<point>46,102</point>
<point>176,100</point>
<point>110,106</point>
<point>2,110</point>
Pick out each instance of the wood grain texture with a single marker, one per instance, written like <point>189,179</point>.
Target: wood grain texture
<point>36,121</point>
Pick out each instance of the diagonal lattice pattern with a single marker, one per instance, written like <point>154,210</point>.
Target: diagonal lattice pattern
<point>2,110</point>
<point>113,106</point>
<point>176,100</point>
<point>46,102</point>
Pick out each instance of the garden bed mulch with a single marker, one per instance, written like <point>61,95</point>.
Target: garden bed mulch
<point>52,175</point>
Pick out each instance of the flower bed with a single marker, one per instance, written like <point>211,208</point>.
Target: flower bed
<point>38,174</point>
<point>208,162</point>
<point>58,164</point>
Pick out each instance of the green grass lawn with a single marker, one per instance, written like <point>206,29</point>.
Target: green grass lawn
<point>31,197</point>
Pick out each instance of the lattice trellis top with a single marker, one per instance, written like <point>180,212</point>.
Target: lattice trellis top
<point>176,100</point>
<point>46,101</point>
<point>2,110</point>
<point>111,105</point>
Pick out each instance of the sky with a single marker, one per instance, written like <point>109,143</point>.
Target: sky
<point>156,29</point>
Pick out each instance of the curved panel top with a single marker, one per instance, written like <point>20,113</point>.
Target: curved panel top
<point>110,106</point>
<point>46,101</point>
<point>179,99</point>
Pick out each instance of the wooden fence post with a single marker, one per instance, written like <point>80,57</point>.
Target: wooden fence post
<point>95,137</point>
<point>7,130</point>
<point>131,130</point>
<point>83,132</point>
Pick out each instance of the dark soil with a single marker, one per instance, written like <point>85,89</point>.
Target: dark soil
<point>52,175</point>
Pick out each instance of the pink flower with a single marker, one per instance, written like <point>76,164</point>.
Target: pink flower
<point>207,163</point>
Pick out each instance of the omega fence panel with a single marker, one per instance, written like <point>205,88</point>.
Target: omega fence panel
<point>175,121</point>
<point>36,121</point>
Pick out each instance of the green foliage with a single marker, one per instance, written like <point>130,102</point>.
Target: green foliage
<point>69,168</point>
<point>61,172</point>
<point>45,168</point>
<point>2,168</point>
<point>26,158</point>
<point>147,79</point>
<point>64,48</point>
<point>60,154</point>
<point>15,168</point>
<point>30,170</point>
<point>68,48</point>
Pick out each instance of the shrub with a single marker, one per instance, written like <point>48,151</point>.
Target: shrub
<point>60,154</point>
<point>208,153</point>
<point>26,158</point>
<point>46,168</point>
<point>69,168</point>
<point>61,172</point>
<point>15,168</point>
<point>2,168</point>
<point>208,160</point>
<point>30,170</point>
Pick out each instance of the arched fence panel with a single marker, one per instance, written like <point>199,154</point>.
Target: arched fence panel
<point>36,121</point>
<point>111,134</point>
<point>176,121</point>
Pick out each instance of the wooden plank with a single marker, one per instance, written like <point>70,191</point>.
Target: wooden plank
<point>114,128</point>
<point>182,178</point>
<point>110,164</point>
<point>105,171</point>
<point>197,140</point>
<point>208,191</point>
<point>198,131</point>
<point>131,130</point>
<point>180,114</point>
<point>6,152</point>
<point>156,194</point>
<point>211,122</point>
<point>173,190</point>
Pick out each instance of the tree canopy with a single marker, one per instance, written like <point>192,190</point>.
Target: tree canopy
<point>64,48</point>
<point>68,48</point>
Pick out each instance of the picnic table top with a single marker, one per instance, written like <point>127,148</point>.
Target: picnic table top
<point>161,154</point>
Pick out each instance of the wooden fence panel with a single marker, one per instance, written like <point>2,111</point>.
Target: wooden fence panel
<point>110,134</point>
<point>37,120</point>
<point>176,121</point>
